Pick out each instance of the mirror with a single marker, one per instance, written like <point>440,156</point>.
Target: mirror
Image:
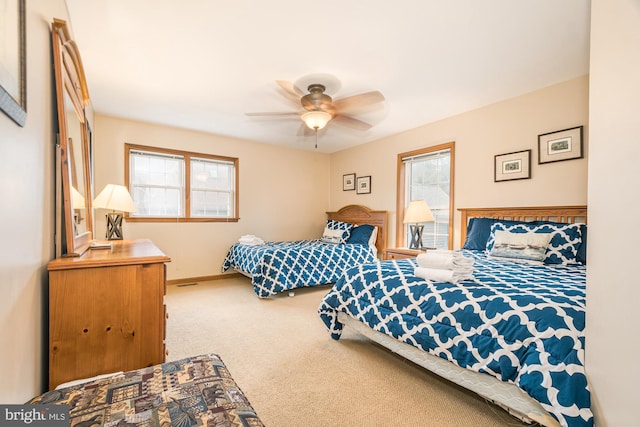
<point>74,225</point>
<point>76,155</point>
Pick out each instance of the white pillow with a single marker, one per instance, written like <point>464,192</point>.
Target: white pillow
<point>374,236</point>
<point>520,247</point>
<point>332,236</point>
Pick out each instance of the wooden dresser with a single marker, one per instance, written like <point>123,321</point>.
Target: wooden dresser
<point>106,311</point>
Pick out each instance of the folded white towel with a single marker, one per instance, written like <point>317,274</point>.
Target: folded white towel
<point>251,240</point>
<point>446,260</point>
<point>441,275</point>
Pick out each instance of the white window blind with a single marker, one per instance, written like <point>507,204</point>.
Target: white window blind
<point>427,176</point>
<point>212,188</point>
<point>157,184</point>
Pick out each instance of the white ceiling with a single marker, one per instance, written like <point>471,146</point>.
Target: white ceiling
<point>203,64</point>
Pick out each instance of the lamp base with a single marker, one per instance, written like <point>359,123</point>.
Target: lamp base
<point>416,236</point>
<point>114,226</point>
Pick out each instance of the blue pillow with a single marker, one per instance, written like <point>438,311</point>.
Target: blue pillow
<point>581,255</point>
<point>563,246</point>
<point>345,227</point>
<point>479,230</point>
<point>361,234</point>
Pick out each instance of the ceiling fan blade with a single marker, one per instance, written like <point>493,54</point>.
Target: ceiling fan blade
<point>351,122</point>
<point>274,113</point>
<point>290,87</point>
<point>291,91</point>
<point>358,101</point>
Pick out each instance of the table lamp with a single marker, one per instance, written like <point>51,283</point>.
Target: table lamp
<point>77,203</point>
<point>117,199</point>
<point>417,212</point>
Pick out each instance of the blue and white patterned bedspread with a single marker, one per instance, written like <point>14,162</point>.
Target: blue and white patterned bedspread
<point>279,266</point>
<point>521,323</point>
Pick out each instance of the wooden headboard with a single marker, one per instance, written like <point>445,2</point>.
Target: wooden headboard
<point>568,214</point>
<point>357,214</point>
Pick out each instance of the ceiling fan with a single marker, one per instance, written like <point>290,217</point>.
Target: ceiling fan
<point>318,108</point>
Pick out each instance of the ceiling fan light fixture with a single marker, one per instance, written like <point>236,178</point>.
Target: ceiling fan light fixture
<point>316,119</point>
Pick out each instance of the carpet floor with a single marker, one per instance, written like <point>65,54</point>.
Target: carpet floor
<point>294,374</point>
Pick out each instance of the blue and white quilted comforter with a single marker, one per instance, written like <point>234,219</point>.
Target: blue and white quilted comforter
<point>279,266</point>
<point>521,323</point>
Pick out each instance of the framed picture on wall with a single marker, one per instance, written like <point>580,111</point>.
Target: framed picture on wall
<point>511,166</point>
<point>560,145</point>
<point>349,182</point>
<point>13,61</point>
<point>363,185</point>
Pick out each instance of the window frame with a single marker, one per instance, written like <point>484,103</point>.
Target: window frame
<point>187,155</point>
<point>401,190</point>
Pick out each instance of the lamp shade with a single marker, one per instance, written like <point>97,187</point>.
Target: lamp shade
<point>77,200</point>
<point>417,212</point>
<point>316,119</point>
<point>116,198</point>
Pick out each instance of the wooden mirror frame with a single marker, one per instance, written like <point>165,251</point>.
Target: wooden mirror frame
<point>71,85</point>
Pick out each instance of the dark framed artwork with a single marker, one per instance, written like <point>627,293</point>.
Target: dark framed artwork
<point>560,145</point>
<point>511,166</point>
<point>363,185</point>
<point>349,182</point>
<point>13,63</point>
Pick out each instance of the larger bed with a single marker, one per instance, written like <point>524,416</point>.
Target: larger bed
<point>275,267</point>
<point>514,333</point>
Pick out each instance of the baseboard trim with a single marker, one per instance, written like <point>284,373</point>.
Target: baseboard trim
<point>202,278</point>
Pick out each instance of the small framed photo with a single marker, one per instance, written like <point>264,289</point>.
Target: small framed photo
<point>512,166</point>
<point>349,182</point>
<point>363,185</point>
<point>560,145</point>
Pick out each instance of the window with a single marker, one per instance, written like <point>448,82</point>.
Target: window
<point>427,174</point>
<point>174,185</point>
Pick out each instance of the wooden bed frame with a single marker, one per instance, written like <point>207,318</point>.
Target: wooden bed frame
<point>358,214</point>
<point>568,214</point>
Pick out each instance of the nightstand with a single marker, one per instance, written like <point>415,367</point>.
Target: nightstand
<point>400,253</point>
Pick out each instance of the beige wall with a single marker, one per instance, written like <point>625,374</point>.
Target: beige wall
<point>612,283</point>
<point>27,216</point>
<point>283,193</point>
<point>479,135</point>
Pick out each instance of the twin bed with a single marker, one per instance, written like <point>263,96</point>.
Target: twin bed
<point>514,333</point>
<point>276,267</point>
